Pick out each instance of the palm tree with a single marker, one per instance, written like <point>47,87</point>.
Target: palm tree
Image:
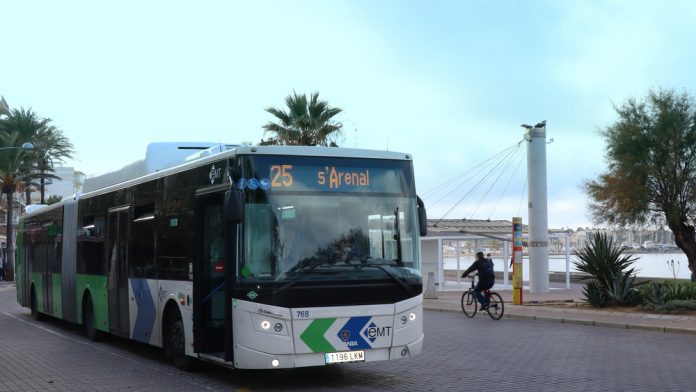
<point>50,147</point>
<point>15,130</point>
<point>307,122</point>
<point>16,165</point>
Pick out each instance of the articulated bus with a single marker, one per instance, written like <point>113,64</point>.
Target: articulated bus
<point>251,257</point>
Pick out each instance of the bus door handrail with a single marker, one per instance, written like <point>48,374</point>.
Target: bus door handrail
<point>215,290</point>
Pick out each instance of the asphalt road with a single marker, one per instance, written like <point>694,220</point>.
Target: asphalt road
<point>459,354</point>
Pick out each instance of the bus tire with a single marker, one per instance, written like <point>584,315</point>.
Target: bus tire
<point>90,329</point>
<point>174,347</point>
<point>38,316</point>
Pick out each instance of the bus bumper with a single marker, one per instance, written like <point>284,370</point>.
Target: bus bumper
<point>246,358</point>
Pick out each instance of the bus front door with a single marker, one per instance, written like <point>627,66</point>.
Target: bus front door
<point>212,307</point>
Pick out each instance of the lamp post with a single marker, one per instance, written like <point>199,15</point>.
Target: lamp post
<point>8,268</point>
<point>25,146</point>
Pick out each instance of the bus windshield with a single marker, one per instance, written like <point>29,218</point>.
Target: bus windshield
<point>363,232</point>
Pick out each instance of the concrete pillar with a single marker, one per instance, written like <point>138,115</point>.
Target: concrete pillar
<point>431,259</point>
<point>538,244</point>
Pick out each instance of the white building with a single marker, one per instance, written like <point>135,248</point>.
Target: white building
<point>70,182</point>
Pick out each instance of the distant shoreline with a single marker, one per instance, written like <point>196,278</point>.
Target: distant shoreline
<point>554,276</point>
<point>562,254</point>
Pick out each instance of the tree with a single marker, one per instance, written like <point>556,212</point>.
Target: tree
<point>50,147</point>
<point>19,167</point>
<point>651,178</point>
<point>53,199</point>
<point>307,122</point>
<point>15,130</point>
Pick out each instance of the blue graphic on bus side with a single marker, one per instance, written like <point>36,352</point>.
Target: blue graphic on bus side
<point>146,312</point>
<point>265,184</point>
<point>241,184</point>
<point>350,333</point>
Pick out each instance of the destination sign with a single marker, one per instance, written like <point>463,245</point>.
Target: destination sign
<point>336,175</point>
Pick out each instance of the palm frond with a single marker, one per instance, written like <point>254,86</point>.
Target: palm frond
<point>307,122</point>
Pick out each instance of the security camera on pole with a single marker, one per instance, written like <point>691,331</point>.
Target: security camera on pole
<point>538,243</point>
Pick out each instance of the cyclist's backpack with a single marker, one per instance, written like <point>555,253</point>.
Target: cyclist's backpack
<point>486,273</point>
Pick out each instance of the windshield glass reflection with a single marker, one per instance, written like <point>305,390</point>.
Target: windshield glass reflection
<point>336,236</point>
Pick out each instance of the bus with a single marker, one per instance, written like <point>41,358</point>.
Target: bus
<point>252,257</point>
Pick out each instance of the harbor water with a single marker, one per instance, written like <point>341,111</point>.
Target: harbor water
<point>647,265</point>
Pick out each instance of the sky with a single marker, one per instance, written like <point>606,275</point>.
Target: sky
<point>447,81</point>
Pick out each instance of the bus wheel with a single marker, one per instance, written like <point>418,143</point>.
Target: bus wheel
<point>91,331</point>
<point>38,316</point>
<point>175,344</point>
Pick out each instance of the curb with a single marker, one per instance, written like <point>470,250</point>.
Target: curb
<point>594,323</point>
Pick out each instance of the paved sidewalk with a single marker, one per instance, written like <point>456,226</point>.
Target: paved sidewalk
<point>567,306</point>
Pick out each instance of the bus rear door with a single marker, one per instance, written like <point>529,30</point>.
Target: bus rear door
<point>117,259</point>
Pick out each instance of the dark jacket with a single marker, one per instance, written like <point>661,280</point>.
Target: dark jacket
<point>484,267</point>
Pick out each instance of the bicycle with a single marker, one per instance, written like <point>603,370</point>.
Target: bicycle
<point>495,309</point>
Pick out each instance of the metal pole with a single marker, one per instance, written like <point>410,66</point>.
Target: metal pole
<point>459,277</point>
<point>506,269</point>
<point>440,264</point>
<point>567,241</point>
<point>537,209</point>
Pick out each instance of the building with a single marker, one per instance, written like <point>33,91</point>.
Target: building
<point>69,182</point>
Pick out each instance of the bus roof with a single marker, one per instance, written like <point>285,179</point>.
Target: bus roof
<point>154,167</point>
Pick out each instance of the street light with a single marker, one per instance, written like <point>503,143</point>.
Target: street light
<point>25,147</point>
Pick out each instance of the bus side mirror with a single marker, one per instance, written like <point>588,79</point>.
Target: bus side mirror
<point>422,218</point>
<point>234,206</point>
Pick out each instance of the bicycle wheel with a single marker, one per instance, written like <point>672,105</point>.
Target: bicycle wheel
<point>469,304</point>
<point>496,307</point>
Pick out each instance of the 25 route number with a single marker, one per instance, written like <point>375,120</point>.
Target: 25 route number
<point>281,176</point>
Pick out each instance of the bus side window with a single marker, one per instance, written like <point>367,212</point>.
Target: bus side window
<point>142,250</point>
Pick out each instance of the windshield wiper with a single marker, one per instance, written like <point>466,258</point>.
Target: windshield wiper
<point>397,237</point>
<point>383,264</point>
<point>302,269</point>
<point>310,264</point>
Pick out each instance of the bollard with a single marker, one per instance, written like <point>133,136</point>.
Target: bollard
<point>430,291</point>
<point>517,261</point>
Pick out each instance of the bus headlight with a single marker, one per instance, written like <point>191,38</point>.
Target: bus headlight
<point>407,318</point>
<point>272,325</point>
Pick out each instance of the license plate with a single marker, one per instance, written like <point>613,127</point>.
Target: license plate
<point>345,356</point>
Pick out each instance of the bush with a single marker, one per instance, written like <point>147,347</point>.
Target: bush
<point>673,306</point>
<point>653,294</point>
<point>594,294</point>
<point>668,290</point>
<point>680,290</point>
<point>611,281</point>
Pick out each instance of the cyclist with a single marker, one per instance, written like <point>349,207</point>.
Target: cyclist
<point>484,266</point>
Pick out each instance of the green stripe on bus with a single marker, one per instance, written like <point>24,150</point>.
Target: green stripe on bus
<point>96,285</point>
<point>314,338</point>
